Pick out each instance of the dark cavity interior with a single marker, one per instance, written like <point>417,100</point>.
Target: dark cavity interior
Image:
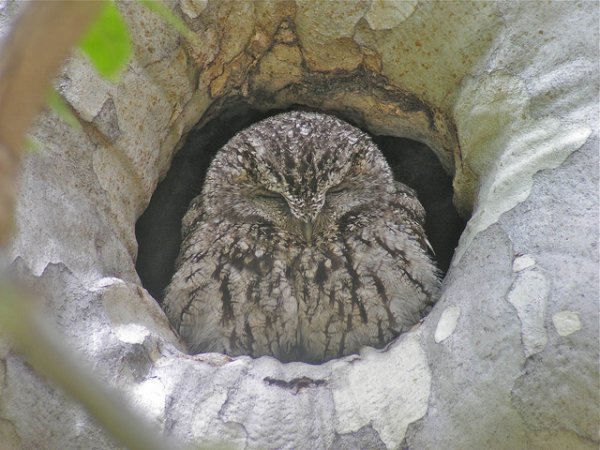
<point>158,229</point>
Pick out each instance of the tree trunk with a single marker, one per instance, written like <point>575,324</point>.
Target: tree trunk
<point>506,95</point>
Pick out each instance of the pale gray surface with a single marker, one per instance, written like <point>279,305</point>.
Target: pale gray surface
<point>524,100</point>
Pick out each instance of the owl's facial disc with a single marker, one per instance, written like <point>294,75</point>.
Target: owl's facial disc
<point>297,182</point>
<point>310,210</point>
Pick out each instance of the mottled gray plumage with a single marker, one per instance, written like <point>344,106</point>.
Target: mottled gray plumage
<point>301,246</point>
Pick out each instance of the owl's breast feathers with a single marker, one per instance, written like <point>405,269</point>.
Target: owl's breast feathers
<point>253,290</point>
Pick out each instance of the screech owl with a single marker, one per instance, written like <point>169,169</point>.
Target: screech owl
<point>300,246</point>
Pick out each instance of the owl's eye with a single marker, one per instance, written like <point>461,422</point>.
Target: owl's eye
<point>268,195</point>
<point>342,187</point>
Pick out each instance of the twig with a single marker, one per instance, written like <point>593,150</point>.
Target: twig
<point>39,40</point>
<point>42,349</point>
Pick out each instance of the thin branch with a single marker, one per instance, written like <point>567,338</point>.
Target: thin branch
<point>39,40</point>
<point>42,348</point>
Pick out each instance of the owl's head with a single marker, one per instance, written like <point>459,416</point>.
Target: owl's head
<point>302,173</point>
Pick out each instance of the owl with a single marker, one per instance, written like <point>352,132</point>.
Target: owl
<point>300,246</point>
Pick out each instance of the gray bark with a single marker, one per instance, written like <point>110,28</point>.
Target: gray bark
<point>506,94</point>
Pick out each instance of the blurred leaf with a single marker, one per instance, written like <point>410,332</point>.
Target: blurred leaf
<point>168,16</point>
<point>107,43</point>
<point>58,105</point>
<point>32,145</point>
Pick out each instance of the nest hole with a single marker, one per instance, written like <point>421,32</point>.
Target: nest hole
<point>158,230</point>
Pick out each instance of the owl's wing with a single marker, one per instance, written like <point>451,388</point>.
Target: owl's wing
<point>193,216</point>
<point>190,222</point>
<point>407,198</point>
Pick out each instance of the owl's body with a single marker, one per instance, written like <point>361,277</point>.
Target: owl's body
<point>301,246</point>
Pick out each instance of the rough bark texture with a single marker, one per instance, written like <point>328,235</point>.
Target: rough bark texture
<point>506,94</point>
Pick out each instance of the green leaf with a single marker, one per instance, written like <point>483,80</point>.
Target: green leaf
<point>168,16</point>
<point>107,43</point>
<point>58,105</point>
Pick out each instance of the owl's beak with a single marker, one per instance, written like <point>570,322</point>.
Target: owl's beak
<point>307,230</point>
